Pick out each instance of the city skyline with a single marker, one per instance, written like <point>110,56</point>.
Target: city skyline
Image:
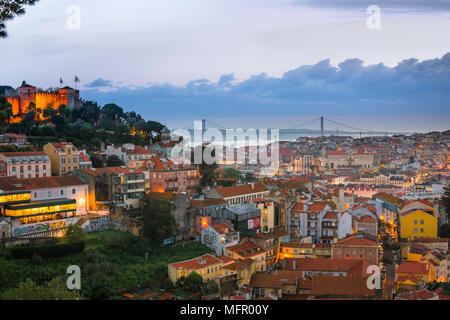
<point>214,59</point>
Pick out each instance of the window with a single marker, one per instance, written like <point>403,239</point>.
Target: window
<point>73,191</point>
<point>347,252</point>
<point>62,192</point>
<point>421,221</point>
<point>415,230</point>
<point>421,229</point>
<point>415,221</point>
<point>63,160</point>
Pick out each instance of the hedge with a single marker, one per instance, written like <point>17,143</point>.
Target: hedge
<point>47,250</point>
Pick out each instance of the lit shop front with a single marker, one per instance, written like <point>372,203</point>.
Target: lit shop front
<point>46,218</point>
<point>15,197</point>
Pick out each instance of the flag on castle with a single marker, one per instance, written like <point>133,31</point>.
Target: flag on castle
<point>76,80</point>
<point>60,82</point>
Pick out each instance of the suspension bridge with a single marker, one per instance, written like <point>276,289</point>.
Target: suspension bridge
<point>322,126</point>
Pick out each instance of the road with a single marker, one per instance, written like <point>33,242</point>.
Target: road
<point>389,280</point>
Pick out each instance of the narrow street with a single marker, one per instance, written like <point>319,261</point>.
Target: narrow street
<point>389,280</point>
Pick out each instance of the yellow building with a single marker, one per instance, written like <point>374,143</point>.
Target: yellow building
<point>63,156</point>
<point>412,273</point>
<point>243,269</point>
<point>208,266</point>
<point>267,208</point>
<point>248,250</point>
<point>417,223</point>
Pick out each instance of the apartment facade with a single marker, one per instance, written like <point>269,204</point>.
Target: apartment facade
<point>63,156</point>
<point>33,164</point>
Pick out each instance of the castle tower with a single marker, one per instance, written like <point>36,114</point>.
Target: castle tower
<point>27,94</point>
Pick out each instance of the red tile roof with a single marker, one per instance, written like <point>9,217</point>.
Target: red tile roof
<point>222,228</point>
<point>413,267</point>
<point>242,189</point>
<point>24,154</point>
<point>352,266</point>
<point>15,184</point>
<point>246,249</point>
<point>341,286</point>
<point>357,240</point>
<point>203,261</point>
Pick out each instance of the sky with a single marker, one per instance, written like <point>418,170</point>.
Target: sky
<point>243,63</point>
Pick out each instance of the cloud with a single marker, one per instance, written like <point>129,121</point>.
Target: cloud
<point>401,5</point>
<point>100,82</point>
<point>349,89</point>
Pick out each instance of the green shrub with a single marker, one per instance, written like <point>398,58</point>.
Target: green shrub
<point>47,250</point>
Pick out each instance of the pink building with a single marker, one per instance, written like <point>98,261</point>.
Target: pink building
<point>33,164</point>
<point>167,176</point>
<point>12,139</point>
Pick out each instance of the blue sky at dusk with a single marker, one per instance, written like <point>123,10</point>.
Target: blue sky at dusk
<point>248,63</point>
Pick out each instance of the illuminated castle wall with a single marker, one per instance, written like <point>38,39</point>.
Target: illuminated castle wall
<point>25,94</point>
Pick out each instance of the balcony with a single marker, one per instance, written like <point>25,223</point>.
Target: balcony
<point>192,178</point>
<point>174,179</point>
<point>168,189</point>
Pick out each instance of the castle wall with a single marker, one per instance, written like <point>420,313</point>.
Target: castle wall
<point>20,103</point>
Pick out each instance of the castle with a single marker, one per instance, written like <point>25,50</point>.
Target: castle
<point>21,98</point>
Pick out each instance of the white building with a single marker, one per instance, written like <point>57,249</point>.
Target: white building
<point>218,237</point>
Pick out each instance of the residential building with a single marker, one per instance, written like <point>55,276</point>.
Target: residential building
<point>114,187</point>
<point>357,246</point>
<point>205,209</point>
<point>218,237</point>
<point>31,164</point>
<point>207,266</point>
<point>240,194</point>
<point>42,207</point>
<point>132,156</point>
<point>63,156</point>
<point>244,218</point>
<point>416,223</point>
<point>13,139</point>
<point>166,175</point>
<point>248,250</point>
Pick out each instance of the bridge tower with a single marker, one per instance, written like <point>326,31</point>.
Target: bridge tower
<point>321,126</point>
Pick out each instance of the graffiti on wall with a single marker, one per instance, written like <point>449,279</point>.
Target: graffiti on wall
<point>97,224</point>
<point>44,226</point>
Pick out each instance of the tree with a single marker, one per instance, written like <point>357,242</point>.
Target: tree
<point>97,282</point>
<point>56,289</point>
<point>114,161</point>
<point>11,9</point>
<point>446,200</point>
<point>193,282</point>
<point>75,233</point>
<point>112,112</point>
<point>444,230</point>
<point>249,177</point>
<point>208,178</point>
<point>96,162</point>
<point>158,221</point>
<point>64,112</point>
<point>5,110</point>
